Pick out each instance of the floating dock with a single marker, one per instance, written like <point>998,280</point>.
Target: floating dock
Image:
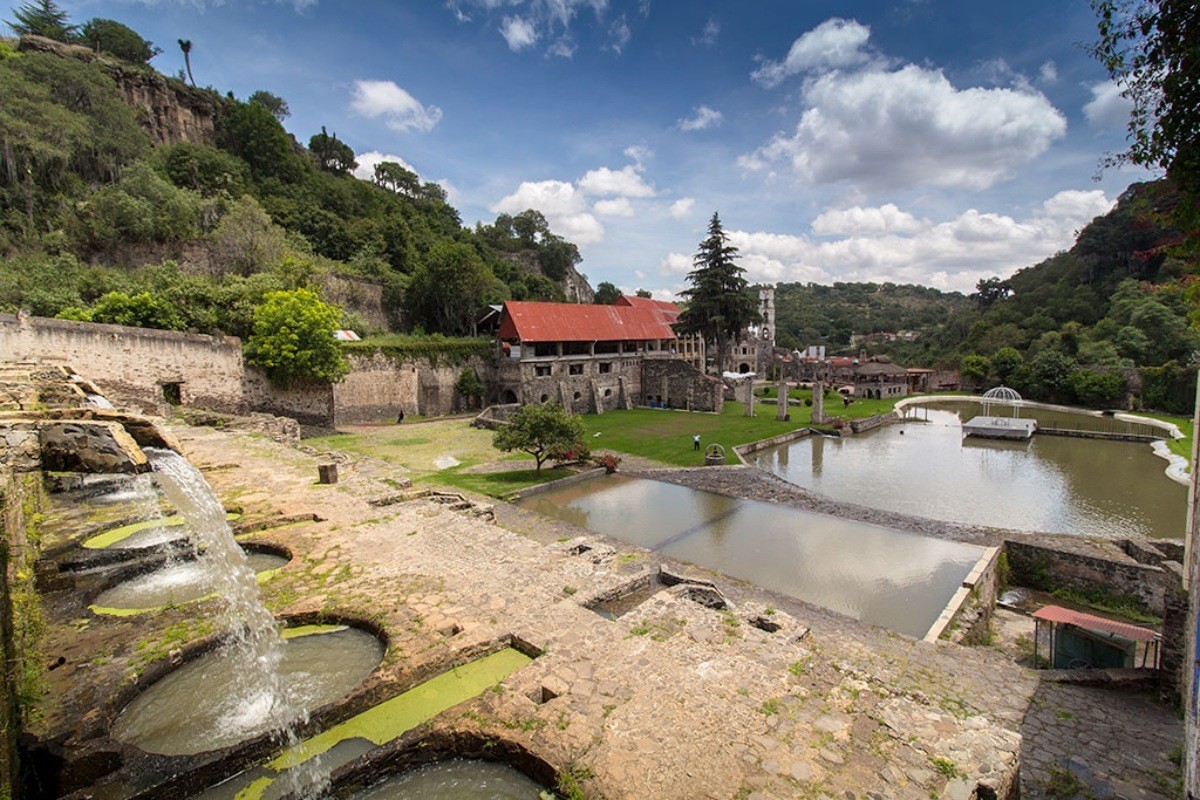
<point>1000,427</point>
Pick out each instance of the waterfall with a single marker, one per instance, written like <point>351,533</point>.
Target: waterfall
<point>99,401</point>
<point>263,700</point>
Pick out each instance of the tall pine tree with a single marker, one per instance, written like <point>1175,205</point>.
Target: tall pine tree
<point>718,306</point>
<point>43,18</point>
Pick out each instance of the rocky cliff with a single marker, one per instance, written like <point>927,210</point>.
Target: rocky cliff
<point>170,110</point>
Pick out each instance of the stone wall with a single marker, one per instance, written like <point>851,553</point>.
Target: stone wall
<point>874,421</point>
<point>680,385</point>
<point>308,402</point>
<point>589,391</point>
<point>967,618</point>
<point>378,388</point>
<point>1042,567</point>
<point>358,296</point>
<point>134,361</point>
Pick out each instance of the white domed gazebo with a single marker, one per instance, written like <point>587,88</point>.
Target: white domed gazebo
<point>995,426</point>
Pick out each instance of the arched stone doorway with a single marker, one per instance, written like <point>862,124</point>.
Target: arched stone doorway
<point>509,397</point>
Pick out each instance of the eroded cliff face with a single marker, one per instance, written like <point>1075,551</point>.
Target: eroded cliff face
<point>170,110</point>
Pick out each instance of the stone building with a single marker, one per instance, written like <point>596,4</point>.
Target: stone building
<point>596,358</point>
<point>754,350</point>
<point>877,377</point>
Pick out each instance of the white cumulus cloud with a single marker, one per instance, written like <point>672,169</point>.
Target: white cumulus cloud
<point>865,221</point>
<point>951,255</point>
<point>639,153</point>
<point>703,119</point>
<point>833,44</point>
<point>1107,108</point>
<point>564,206</point>
<point>400,110</point>
<point>903,128</point>
<point>369,160</point>
<point>625,182</point>
<point>675,264</point>
<point>681,208</point>
<point>615,207</point>
<point>519,33</point>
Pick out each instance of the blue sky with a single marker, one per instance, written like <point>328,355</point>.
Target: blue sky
<point>925,141</point>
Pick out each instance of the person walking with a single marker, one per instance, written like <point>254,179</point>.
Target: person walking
<point>696,442</point>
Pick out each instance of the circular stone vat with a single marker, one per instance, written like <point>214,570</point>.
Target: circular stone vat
<point>204,705</point>
<point>456,779</point>
<point>173,585</point>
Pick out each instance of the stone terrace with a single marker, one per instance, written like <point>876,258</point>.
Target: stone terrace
<point>672,700</point>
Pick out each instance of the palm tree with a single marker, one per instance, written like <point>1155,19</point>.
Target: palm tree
<point>186,46</point>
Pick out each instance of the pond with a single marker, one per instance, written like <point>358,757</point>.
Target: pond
<point>880,575</point>
<point>1049,483</point>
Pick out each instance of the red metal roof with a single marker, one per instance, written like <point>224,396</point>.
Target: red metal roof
<point>1093,623</point>
<point>569,322</point>
<point>648,302</point>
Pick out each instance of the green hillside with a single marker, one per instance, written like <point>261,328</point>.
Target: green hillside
<point>98,223</point>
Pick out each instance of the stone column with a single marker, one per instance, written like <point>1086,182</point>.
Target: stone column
<point>748,396</point>
<point>781,408</point>
<point>818,406</point>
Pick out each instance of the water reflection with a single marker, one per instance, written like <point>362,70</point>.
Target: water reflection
<point>879,575</point>
<point>1048,483</point>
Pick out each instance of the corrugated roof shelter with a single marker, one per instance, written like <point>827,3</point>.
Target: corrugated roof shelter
<point>1108,643</point>
<point>531,322</point>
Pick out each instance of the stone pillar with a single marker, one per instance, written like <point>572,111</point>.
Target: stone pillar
<point>818,406</point>
<point>781,408</point>
<point>748,396</point>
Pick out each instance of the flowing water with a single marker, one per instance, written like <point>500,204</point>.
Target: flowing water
<point>239,690</point>
<point>880,575</point>
<point>458,779</point>
<point>221,699</point>
<point>372,728</point>
<point>172,585</point>
<point>1049,483</point>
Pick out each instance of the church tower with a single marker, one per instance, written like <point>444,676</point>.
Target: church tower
<point>766,307</point>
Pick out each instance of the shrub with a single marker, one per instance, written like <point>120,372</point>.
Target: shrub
<point>293,338</point>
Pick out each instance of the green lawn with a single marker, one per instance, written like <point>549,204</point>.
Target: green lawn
<point>667,435</point>
<point>661,435</point>
<point>1180,447</point>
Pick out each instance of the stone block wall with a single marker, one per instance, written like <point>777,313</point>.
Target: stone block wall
<point>1044,567</point>
<point>874,421</point>
<point>357,295</point>
<point>378,388</point>
<point>134,361</point>
<point>307,402</point>
<point>586,392</point>
<point>680,385</point>
<point>1173,647</point>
